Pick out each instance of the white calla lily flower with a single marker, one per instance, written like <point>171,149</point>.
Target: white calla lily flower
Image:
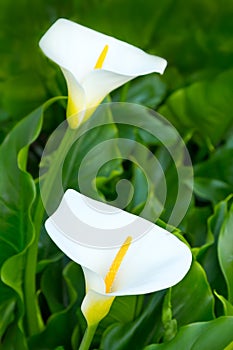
<point>93,64</point>
<point>153,261</point>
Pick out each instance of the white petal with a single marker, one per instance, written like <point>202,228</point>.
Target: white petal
<point>76,99</point>
<point>126,59</point>
<point>72,222</point>
<point>96,260</point>
<point>72,47</point>
<point>156,261</point>
<point>153,262</point>
<point>77,48</point>
<point>100,83</point>
<point>93,281</point>
<point>87,219</point>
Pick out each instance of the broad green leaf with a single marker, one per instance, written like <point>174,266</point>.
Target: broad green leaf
<point>198,51</point>
<point>129,335</point>
<point>229,347</point>
<point>148,91</point>
<point>61,324</point>
<point>192,299</point>
<point>213,177</point>
<point>214,335</point>
<point>14,339</point>
<point>207,255</point>
<point>58,331</point>
<point>52,286</point>
<point>218,166</point>
<point>124,310</point>
<point>17,194</point>
<point>7,314</point>
<point>195,226</point>
<point>160,177</point>
<point>48,252</point>
<point>212,190</point>
<point>225,252</point>
<point>202,107</point>
<point>74,279</point>
<point>227,306</point>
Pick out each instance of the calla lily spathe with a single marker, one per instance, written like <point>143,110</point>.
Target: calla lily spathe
<point>93,64</point>
<point>152,262</point>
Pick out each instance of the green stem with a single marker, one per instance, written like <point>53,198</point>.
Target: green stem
<point>47,185</point>
<point>124,92</point>
<point>88,336</point>
<point>34,319</point>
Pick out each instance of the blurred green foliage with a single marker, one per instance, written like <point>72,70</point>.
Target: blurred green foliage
<point>196,37</point>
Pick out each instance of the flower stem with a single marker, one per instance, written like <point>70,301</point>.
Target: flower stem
<point>34,319</point>
<point>88,336</point>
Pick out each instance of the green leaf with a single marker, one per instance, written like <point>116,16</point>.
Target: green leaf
<point>17,194</point>
<point>160,177</point>
<point>207,255</point>
<point>14,339</point>
<point>192,299</point>
<point>124,310</point>
<point>202,107</point>
<point>229,347</point>
<point>52,286</point>
<point>129,335</point>
<point>64,303</point>
<point>218,166</point>
<point>214,335</point>
<point>225,252</point>
<point>213,177</point>
<point>227,306</point>
<point>197,234</point>
<point>7,314</point>
<point>58,331</point>
<point>148,91</point>
<point>212,190</point>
